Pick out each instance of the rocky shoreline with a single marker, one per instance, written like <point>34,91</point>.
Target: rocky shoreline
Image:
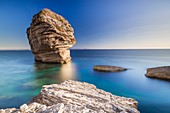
<point>74,96</point>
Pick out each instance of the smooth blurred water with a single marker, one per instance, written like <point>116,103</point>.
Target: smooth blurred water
<point>21,78</point>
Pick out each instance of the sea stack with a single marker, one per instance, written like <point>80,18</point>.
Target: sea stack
<point>50,36</point>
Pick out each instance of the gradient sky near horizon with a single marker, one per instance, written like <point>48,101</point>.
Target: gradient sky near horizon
<point>98,24</point>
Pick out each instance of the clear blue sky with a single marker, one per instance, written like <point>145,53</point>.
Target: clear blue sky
<point>107,24</point>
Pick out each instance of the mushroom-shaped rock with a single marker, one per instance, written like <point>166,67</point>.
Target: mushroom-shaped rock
<point>50,36</point>
<point>159,72</point>
<point>106,68</point>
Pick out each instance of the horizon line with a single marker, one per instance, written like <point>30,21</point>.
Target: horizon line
<point>95,49</point>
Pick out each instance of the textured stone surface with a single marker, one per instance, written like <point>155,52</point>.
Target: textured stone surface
<point>76,97</point>
<point>159,72</point>
<point>50,35</point>
<point>86,96</point>
<point>107,68</point>
<point>10,110</point>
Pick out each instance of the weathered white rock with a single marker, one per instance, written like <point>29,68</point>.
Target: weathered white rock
<point>10,110</point>
<point>84,95</point>
<point>76,97</point>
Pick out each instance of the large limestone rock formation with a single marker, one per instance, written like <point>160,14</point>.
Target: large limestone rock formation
<point>50,35</point>
<point>159,72</point>
<point>76,97</point>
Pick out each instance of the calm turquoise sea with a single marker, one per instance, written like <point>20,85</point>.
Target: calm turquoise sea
<point>21,78</point>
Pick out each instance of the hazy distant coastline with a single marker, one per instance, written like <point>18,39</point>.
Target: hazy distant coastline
<point>90,49</point>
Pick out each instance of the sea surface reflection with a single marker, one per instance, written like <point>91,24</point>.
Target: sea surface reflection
<point>62,72</point>
<point>21,79</point>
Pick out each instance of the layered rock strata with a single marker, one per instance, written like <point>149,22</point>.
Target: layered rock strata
<point>106,68</point>
<point>50,36</point>
<point>159,72</point>
<point>72,96</point>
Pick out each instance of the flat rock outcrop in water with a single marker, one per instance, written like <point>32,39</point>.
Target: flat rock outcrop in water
<point>106,68</point>
<point>50,35</point>
<point>79,97</point>
<point>159,72</point>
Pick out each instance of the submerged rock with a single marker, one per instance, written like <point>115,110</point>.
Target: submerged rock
<point>107,68</point>
<point>50,35</point>
<point>79,97</point>
<point>159,72</point>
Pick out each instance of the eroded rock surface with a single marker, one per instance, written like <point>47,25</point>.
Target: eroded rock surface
<point>159,72</point>
<point>106,68</point>
<point>76,97</point>
<point>50,36</point>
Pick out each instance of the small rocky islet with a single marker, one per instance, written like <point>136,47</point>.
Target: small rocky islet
<point>156,72</point>
<point>107,68</point>
<point>159,72</point>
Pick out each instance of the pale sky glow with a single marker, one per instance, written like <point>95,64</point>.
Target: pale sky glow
<point>98,24</point>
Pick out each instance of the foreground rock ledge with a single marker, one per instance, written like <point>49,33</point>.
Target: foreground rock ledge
<point>50,35</point>
<point>159,72</point>
<point>106,68</point>
<point>76,97</point>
